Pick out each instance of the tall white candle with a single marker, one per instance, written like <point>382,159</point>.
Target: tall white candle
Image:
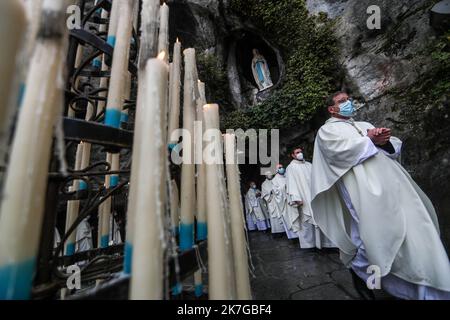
<point>148,45</point>
<point>188,166</point>
<point>163,40</point>
<point>240,255</point>
<point>202,228</point>
<point>119,66</point>
<point>147,267</point>
<point>221,279</point>
<point>24,193</point>
<point>174,93</point>
<point>12,28</point>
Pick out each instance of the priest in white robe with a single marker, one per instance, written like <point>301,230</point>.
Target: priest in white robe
<point>298,178</point>
<point>289,214</point>
<point>256,220</point>
<point>371,208</point>
<point>267,194</point>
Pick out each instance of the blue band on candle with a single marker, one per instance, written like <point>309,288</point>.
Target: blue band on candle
<point>111,41</point>
<point>186,236</point>
<point>70,249</point>
<point>202,231</point>
<point>22,89</point>
<point>104,241</point>
<point>16,280</point>
<point>177,290</point>
<point>97,63</point>
<point>112,118</point>
<point>114,181</point>
<point>199,290</point>
<point>124,117</point>
<point>172,146</point>
<point>128,258</point>
<point>82,186</point>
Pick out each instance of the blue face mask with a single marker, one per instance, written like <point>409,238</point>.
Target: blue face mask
<point>282,171</point>
<point>347,109</point>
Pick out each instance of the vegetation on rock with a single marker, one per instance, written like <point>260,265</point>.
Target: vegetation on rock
<point>309,50</point>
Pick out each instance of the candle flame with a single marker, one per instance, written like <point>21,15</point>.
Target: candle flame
<point>162,55</point>
<point>178,40</point>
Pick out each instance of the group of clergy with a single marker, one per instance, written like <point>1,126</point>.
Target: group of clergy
<point>284,204</point>
<point>357,196</point>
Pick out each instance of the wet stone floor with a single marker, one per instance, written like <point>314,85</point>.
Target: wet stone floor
<point>283,271</point>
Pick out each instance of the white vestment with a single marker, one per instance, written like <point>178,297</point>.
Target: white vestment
<point>289,214</point>
<point>267,194</point>
<point>84,237</point>
<point>298,179</point>
<point>361,191</point>
<point>254,212</point>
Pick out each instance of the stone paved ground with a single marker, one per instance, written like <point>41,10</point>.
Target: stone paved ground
<point>285,272</point>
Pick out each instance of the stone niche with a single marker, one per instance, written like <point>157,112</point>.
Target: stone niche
<point>244,88</point>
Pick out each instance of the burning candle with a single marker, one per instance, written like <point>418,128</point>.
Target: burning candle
<point>24,196</point>
<point>188,166</point>
<point>149,202</point>
<point>237,221</point>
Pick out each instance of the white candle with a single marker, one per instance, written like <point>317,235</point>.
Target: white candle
<point>147,267</point>
<point>12,28</point>
<point>188,166</point>
<point>148,43</point>
<point>174,94</point>
<point>237,221</point>
<point>73,207</point>
<point>221,279</point>
<point>202,228</point>
<point>24,193</point>
<point>163,40</point>
<point>119,66</point>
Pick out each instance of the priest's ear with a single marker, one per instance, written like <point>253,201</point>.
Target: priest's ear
<point>333,109</point>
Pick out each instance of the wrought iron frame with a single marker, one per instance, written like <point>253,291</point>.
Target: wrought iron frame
<point>99,263</point>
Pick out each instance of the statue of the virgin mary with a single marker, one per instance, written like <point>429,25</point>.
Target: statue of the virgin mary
<point>261,71</point>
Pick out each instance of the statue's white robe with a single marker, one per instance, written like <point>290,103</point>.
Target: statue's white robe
<point>298,178</point>
<point>289,215</point>
<point>267,193</point>
<point>370,207</point>
<point>254,213</point>
<point>84,237</point>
